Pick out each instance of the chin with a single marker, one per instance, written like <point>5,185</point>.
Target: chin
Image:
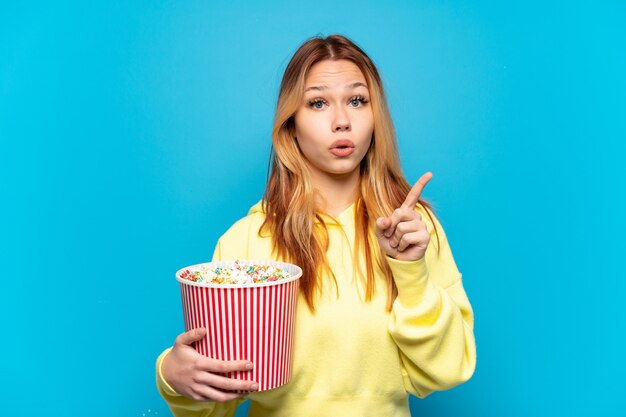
<point>342,172</point>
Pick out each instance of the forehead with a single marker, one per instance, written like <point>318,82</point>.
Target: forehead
<point>333,72</point>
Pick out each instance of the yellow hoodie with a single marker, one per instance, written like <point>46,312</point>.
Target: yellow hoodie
<point>351,357</point>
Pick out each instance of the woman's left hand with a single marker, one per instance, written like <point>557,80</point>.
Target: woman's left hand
<point>403,235</point>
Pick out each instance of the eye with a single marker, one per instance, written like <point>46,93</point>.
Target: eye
<point>315,103</point>
<point>358,99</point>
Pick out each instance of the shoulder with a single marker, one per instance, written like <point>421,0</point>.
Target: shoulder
<point>242,240</point>
<point>243,227</point>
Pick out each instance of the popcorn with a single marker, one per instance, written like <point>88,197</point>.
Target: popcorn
<point>239,273</point>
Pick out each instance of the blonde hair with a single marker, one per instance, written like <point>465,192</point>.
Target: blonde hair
<point>289,199</point>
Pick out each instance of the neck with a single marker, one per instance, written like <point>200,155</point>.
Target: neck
<point>336,192</point>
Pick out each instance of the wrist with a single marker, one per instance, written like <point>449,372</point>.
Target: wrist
<point>163,372</point>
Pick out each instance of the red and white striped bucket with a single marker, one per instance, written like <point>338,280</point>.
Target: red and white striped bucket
<point>253,322</point>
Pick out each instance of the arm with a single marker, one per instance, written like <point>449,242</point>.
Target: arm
<point>432,320</point>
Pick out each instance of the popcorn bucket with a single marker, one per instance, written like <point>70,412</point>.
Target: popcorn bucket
<point>253,322</point>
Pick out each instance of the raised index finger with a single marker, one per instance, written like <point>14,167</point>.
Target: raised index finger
<point>413,197</point>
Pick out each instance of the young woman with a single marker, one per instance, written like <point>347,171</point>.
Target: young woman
<point>382,310</point>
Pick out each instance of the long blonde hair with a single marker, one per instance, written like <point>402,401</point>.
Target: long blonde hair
<point>289,199</point>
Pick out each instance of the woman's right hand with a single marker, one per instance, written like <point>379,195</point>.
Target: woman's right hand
<point>195,376</point>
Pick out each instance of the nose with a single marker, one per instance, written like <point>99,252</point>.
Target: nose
<point>341,121</point>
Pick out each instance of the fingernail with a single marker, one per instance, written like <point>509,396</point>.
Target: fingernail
<point>254,387</point>
<point>249,366</point>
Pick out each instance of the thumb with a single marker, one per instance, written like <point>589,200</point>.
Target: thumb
<point>191,336</point>
<point>382,223</point>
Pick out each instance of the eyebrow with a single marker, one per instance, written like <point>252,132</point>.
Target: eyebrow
<point>348,86</point>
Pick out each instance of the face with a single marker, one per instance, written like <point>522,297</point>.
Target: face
<point>335,123</point>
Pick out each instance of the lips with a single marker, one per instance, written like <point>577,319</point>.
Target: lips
<point>342,147</point>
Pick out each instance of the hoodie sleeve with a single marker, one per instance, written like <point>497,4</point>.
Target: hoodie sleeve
<point>432,320</point>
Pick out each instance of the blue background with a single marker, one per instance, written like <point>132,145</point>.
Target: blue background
<point>133,135</point>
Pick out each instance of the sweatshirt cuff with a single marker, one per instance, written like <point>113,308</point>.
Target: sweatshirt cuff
<point>161,382</point>
<point>411,278</point>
